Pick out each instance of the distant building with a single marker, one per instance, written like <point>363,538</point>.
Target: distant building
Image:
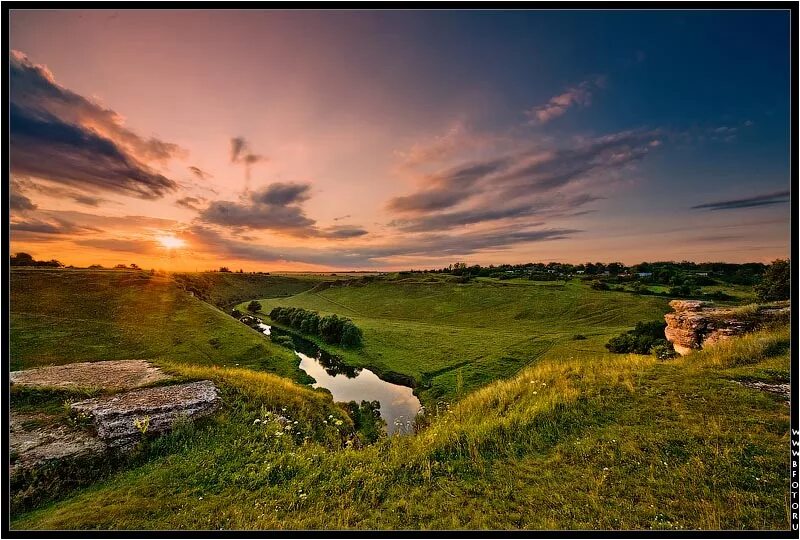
<point>644,274</point>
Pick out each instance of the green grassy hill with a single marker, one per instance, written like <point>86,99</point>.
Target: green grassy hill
<point>63,316</point>
<point>452,338</point>
<point>225,289</point>
<point>628,443</point>
<point>574,440</point>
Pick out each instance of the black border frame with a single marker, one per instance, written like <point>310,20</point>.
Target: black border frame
<point>479,5</point>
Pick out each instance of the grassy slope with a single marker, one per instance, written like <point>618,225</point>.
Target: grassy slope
<point>453,338</point>
<point>63,316</point>
<point>225,289</point>
<point>614,442</point>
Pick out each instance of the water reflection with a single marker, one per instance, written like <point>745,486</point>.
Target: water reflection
<point>399,405</point>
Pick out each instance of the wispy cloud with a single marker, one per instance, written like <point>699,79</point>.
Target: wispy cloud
<point>579,95</point>
<point>766,199</point>
<point>242,153</point>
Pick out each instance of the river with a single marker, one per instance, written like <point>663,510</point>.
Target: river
<point>399,405</point>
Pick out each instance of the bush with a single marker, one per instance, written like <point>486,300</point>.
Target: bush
<point>641,340</point>
<point>254,307</point>
<point>236,313</point>
<point>774,285</point>
<point>664,351</point>
<point>577,337</point>
<point>599,286</point>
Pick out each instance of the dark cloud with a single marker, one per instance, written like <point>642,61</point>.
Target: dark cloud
<point>452,186</point>
<point>49,226</point>
<point>34,89</point>
<point>288,219</point>
<point>60,136</point>
<point>21,185</point>
<point>282,194</point>
<point>520,185</point>
<point>276,207</point>
<point>767,199</point>
<point>45,147</point>
<point>344,232</point>
<point>199,173</point>
<point>18,201</point>
<point>241,153</point>
<point>192,203</point>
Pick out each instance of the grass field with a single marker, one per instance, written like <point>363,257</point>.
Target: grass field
<point>452,338</point>
<point>622,443</point>
<point>63,316</point>
<point>571,437</point>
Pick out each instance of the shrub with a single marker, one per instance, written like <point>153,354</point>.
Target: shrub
<point>254,307</point>
<point>236,313</point>
<point>640,340</point>
<point>578,337</point>
<point>330,329</point>
<point>774,285</point>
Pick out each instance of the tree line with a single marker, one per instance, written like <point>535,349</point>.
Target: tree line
<point>332,329</point>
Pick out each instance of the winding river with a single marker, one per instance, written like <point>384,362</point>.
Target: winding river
<point>399,405</point>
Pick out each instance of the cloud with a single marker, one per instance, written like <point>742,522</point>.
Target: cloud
<point>343,232</point>
<point>283,194</point>
<point>544,183</point>
<point>452,186</point>
<point>34,88</point>
<point>51,225</point>
<point>18,201</point>
<point>192,203</point>
<point>62,137</point>
<point>253,215</point>
<point>241,153</point>
<point>143,247</point>
<point>428,245</point>
<point>766,199</point>
<point>199,173</point>
<point>576,96</point>
<point>22,185</point>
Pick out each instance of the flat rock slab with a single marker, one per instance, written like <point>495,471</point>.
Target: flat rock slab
<point>33,445</point>
<point>107,375</point>
<point>121,418</point>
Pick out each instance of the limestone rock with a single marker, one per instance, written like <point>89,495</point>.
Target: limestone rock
<point>34,441</point>
<point>116,417</point>
<point>696,324</point>
<point>110,375</point>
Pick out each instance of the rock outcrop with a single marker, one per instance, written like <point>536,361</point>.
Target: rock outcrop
<point>121,419</point>
<point>108,375</point>
<point>696,324</point>
<point>34,441</point>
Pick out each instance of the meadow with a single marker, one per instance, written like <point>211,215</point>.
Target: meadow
<point>451,338</point>
<point>563,437</point>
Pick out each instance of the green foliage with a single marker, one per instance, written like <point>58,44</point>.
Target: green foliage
<point>333,330</point>
<point>776,282</point>
<point>367,420</point>
<point>641,340</point>
<point>254,307</point>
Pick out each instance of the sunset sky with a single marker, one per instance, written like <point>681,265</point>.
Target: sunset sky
<point>388,140</point>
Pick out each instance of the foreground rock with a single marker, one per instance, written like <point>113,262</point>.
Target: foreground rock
<point>120,419</point>
<point>696,324</point>
<point>34,441</point>
<point>108,375</point>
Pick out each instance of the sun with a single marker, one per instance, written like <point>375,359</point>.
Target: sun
<point>170,241</point>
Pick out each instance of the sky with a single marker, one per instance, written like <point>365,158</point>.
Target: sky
<point>384,140</point>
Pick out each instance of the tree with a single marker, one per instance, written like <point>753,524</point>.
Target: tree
<point>254,307</point>
<point>330,329</point>
<point>351,335</point>
<point>776,282</point>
